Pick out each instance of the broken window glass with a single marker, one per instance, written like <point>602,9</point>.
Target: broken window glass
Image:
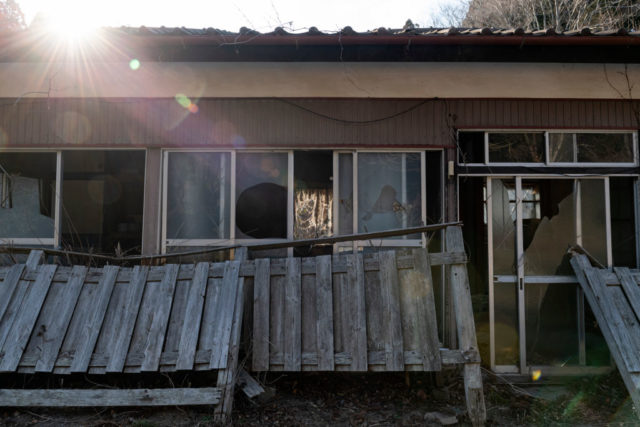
<point>389,191</point>
<point>102,199</point>
<point>27,195</point>
<point>198,191</point>
<point>261,195</point>
<point>516,147</point>
<point>313,198</point>
<point>504,227</point>
<point>623,230</point>
<point>547,236</point>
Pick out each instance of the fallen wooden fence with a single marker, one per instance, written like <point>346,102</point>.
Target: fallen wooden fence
<point>65,320</point>
<point>614,298</point>
<point>355,312</point>
<point>351,312</point>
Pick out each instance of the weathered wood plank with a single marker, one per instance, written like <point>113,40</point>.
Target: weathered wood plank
<point>18,336</point>
<point>8,288</point>
<point>580,264</point>
<point>261,303</point>
<point>466,330</point>
<point>630,287</point>
<point>55,331</point>
<point>224,316</point>
<point>392,316</point>
<point>355,275</point>
<point>156,335</point>
<point>109,397</point>
<point>227,376</point>
<point>128,322</point>
<point>191,325</point>
<point>34,259</point>
<point>324,313</point>
<point>293,316</point>
<point>427,318</point>
<point>376,334</point>
<point>92,328</point>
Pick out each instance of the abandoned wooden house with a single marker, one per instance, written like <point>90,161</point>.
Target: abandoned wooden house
<point>160,140</point>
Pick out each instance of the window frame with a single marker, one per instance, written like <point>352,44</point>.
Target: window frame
<point>547,162</point>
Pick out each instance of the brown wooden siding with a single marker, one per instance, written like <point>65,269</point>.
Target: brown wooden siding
<point>288,123</point>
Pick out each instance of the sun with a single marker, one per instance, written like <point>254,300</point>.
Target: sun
<point>71,22</point>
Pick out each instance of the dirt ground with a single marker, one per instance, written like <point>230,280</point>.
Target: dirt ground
<point>375,400</point>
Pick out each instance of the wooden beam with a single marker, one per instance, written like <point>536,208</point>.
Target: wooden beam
<point>68,398</point>
<point>466,329</point>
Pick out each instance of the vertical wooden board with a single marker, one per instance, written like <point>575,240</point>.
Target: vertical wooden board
<point>358,323</point>
<point>18,337</point>
<point>81,314</point>
<point>309,318</point>
<point>158,329</point>
<point>293,316</point>
<point>124,332</point>
<point>192,318</point>
<point>392,314</point>
<point>338,296</point>
<point>374,309</point>
<point>214,285</point>
<point>111,322</point>
<point>276,313</point>
<point>177,317</point>
<point>261,320</point>
<point>56,316</point>
<point>224,315</point>
<point>13,308</point>
<point>8,288</point>
<point>409,282</point>
<point>324,314</point>
<point>427,316</point>
<point>91,330</point>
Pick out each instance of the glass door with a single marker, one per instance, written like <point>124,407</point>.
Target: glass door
<point>537,310</point>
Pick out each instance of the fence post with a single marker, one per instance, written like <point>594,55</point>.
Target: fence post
<point>461,298</point>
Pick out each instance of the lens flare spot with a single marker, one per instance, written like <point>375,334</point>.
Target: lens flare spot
<point>186,103</point>
<point>73,127</point>
<point>134,64</point>
<point>536,374</point>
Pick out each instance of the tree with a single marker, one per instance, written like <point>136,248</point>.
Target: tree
<point>11,16</point>
<point>561,15</point>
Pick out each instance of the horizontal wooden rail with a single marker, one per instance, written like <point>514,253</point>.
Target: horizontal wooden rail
<point>279,245</point>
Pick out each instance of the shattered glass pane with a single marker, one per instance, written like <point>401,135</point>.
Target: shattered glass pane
<point>198,190</point>
<point>261,195</point>
<point>27,195</point>
<point>313,192</point>
<point>547,235</point>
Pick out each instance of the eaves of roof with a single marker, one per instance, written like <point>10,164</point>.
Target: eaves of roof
<point>381,45</point>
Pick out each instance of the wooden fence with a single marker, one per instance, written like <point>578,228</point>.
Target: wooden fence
<point>66,320</point>
<point>614,298</point>
<point>355,312</point>
<point>351,312</point>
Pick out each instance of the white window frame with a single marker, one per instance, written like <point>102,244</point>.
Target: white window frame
<point>358,245</point>
<point>547,163</point>
<point>53,241</point>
